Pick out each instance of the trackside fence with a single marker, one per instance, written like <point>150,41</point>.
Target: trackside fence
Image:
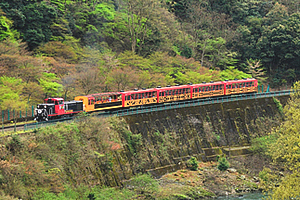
<point>10,115</point>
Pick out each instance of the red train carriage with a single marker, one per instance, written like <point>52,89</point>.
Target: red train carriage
<point>204,90</point>
<point>174,93</point>
<point>139,97</point>
<point>240,86</point>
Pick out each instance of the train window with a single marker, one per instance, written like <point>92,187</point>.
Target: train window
<point>213,87</point>
<point>194,90</point>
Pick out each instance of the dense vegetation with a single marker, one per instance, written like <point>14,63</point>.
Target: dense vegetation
<point>282,145</point>
<point>68,48</point>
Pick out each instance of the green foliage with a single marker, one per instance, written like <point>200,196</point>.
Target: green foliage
<point>144,184</point>
<point>192,163</point>
<point>231,73</point>
<point>223,164</point>
<point>15,145</point>
<point>10,90</point>
<point>278,105</point>
<point>5,29</point>
<point>49,84</point>
<point>95,193</point>
<point>286,149</point>
<point>110,194</point>
<point>260,145</point>
<point>32,19</point>
<point>134,141</point>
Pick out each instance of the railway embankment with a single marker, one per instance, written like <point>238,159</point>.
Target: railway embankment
<point>108,152</point>
<point>203,131</point>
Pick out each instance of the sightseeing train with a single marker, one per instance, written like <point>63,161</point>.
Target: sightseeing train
<point>54,108</point>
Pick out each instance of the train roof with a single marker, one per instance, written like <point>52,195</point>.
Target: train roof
<point>55,98</point>
<point>175,87</point>
<point>207,84</point>
<point>140,91</point>
<point>69,102</point>
<point>104,94</point>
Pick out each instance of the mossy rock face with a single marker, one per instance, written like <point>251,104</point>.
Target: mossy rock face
<point>206,126</point>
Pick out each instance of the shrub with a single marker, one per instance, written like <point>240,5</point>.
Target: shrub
<point>223,164</point>
<point>192,163</point>
<point>278,105</point>
<point>143,184</point>
<point>261,145</point>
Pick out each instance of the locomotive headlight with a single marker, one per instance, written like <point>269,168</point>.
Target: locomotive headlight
<point>45,106</point>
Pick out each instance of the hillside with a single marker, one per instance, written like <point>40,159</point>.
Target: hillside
<point>68,48</point>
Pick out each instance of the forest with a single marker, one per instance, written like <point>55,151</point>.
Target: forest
<point>67,48</point>
<point>76,47</point>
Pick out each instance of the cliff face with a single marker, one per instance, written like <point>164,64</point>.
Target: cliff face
<point>168,138</point>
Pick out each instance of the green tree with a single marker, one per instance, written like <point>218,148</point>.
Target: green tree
<point>32,19</point>
<point>286,150</point>
<point>223,164</point>
<point>256,70</point>
<point>10,91</point>
<point>50,85</point>
<point>231,73</point>
<point>6,31</point>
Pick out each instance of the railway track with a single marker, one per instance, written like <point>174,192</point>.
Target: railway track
<point>153,108</point>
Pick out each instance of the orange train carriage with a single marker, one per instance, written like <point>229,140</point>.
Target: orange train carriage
<point>56,107</point>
